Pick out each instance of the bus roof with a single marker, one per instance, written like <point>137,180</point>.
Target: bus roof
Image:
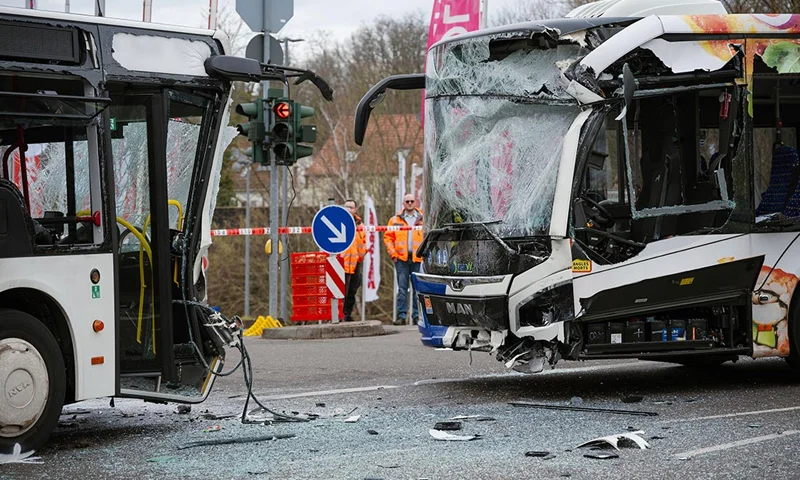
<point>91,19</point>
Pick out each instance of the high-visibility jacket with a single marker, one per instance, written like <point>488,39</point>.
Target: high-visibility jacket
<point>358,249</point>
<point>397,241</point>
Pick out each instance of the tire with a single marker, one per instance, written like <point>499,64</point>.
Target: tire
<point>32,381</point>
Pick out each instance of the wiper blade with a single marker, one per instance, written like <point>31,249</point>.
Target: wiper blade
<point>485,226</point>
<point>472,224</point>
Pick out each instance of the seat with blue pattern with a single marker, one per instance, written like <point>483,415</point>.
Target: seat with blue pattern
<point>782,176</point>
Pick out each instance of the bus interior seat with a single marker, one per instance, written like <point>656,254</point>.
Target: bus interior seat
<point>774,199</point>
<point>16,226</point>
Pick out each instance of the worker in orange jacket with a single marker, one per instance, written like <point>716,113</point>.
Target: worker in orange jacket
<point>353,260</point>
<point>402,246</point>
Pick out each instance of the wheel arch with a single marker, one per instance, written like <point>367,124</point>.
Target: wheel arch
<point>49,311</point>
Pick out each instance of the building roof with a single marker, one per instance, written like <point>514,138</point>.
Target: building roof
<point>385,135</point>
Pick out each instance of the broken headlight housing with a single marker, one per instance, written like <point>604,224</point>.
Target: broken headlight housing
<point>548,306</point>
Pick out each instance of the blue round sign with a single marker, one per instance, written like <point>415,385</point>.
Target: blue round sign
<point>333,229</point>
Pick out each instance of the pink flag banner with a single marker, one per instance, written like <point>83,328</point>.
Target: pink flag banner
<point>372,261</point>
<point>450,18</point>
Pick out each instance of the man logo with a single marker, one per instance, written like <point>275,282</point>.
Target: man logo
<point>459,308</point>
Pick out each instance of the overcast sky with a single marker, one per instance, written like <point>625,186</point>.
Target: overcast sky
<point>340,17</point>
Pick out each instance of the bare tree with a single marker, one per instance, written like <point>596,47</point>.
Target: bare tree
<point>527,10</point>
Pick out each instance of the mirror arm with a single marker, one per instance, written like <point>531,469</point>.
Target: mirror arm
<point>414,81</point>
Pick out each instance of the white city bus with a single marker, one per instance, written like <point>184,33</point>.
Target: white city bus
<point>111,138</point>
<point>620,183</point>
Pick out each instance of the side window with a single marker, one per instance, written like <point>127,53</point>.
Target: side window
<point>49,151</point>
<point>776,165</point>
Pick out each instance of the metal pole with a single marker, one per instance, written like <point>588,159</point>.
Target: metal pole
<point>274,189</point>
<point>363,270</point>
<point>284,221</point>
<point>100,8</point>
<point>212,14</point>
<point>66,6</point>
<point>334,300</point>
<point>147,11</point>
<point>247,246</point>
<point>484,14</point>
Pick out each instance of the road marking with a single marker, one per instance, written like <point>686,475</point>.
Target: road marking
<point>432,381</point>
<point>731,415</point>
<point>740,443</point>
<point>328,392</point>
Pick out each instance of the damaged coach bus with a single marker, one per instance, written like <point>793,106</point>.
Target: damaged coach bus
<point>622,182</point>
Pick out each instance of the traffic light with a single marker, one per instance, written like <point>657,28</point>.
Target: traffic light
<point>254,130</point>
<point>288,131</point>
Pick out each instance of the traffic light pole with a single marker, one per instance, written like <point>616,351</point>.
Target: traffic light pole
<point>274,189</point>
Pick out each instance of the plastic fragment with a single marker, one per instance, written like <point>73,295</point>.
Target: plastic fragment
<point>352,419</point>
<point>632,398</point>
<point>601,455</point>
<point>449,426</point>
<point>228,441</point>
<point>164,459</point>
<point>16,456</point>
<point>476,418</point>
<point>212,428</point>
<point>619,439</point>
<point>537,453</point>
<point>449,437</point>
<point>183,409</point>
<point>372,432</point>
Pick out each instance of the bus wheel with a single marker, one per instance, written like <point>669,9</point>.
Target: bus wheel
<point>32,381</point>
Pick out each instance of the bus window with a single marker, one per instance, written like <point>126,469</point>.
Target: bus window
<point>184,130</point>
<point>49,130</point>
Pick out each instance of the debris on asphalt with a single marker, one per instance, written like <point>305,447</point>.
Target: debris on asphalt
<point>67,424</point>
<point>372,432</point>
<point>212,428</point>
<point>212,416</point>
<point>583,409</point>
<point>16,456</point>
<point>632,399</point>
<point>601,455</point>
<point>447,426</point>
<point>183,409</point>
<point>657,437</point>
<point>228,441</point>
<point>475,418</point>
<point>662,402</point>
<point>352,419</point>
<point>164,459</point>
<point>388,466</point>
<point>755,425</point>
<point>619,439</point>
<point>320,404</point>
<point>449,437</point>
<point>75,412</point>
<point>537,453</point>
<point>576,401</point>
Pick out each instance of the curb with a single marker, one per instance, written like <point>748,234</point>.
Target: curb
<point>325,331</point>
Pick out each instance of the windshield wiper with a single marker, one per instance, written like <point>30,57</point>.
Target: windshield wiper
<point>485,225</point>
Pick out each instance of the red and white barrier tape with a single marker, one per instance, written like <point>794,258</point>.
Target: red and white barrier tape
<point>231,232</point>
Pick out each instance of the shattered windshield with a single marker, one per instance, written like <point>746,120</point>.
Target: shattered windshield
<point>495,123</point>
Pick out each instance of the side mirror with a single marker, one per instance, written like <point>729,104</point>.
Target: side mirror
<point>236,69</point>
<point>629,85</point>
<point>375,95</point>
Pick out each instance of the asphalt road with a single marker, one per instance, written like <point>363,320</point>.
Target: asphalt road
<point>738,421</point>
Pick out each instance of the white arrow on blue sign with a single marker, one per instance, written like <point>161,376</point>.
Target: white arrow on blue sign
<point>333,229</point>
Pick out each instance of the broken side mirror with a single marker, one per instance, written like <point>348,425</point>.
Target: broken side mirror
<point>236,69</point>
<point>629,87</point>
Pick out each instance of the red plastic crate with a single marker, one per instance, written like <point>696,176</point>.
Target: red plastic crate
<point>311,257</point>
<point>311,301</point>
<point>308,314</point>
<point>306,290</point>
<point>308,280</point>
<point>308,269</point>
